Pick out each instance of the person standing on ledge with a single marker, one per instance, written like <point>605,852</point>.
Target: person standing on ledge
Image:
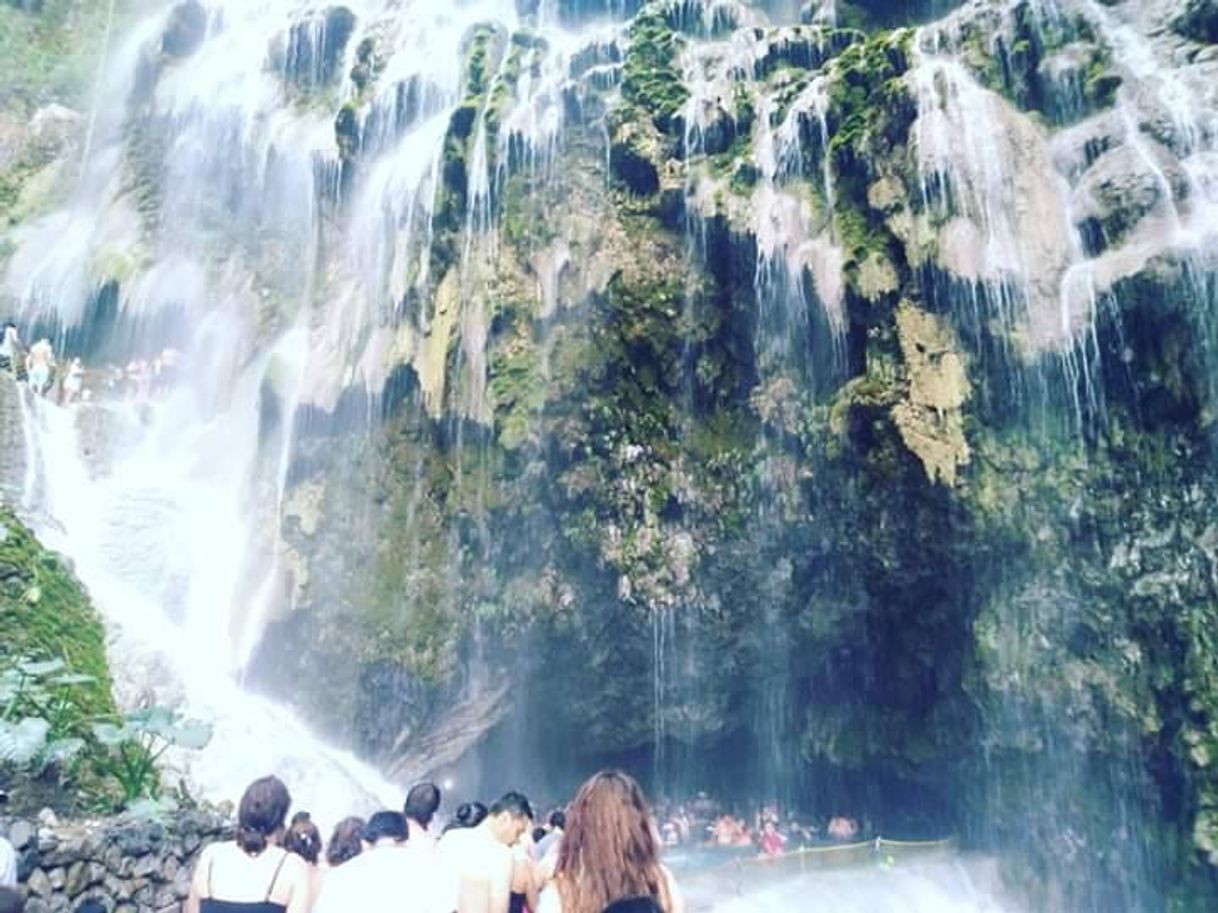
<point>252,874</point>
<point>10,348</point>
<point>609,857</point>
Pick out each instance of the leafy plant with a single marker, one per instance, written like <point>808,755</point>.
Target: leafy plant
<point>133,750</point>
<point>39,717</point>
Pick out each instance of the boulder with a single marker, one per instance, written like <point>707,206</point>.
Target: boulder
<point>186,30</point>
<point>1122,188</point>
<point>21,834</point>
<point>635,156</point>
<point>1199,21</point>
<point>316,48</point>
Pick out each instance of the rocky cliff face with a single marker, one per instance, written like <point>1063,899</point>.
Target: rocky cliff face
<point>826,392</point>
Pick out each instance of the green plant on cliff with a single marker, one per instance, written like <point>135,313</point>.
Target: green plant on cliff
<point>49,55</point>
<point>46,616</point>
<point>870,113</point>
<point>652,81</point>
<point>40,719</point>
<point>131,753</point>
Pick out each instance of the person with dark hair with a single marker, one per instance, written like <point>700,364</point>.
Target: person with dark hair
<point>253,873</point>
<point>422,802</point>
<point>610,853</point>
<point>478,864</point>
<point>385,876</point>
<point>304,839</point>
<point>549,843</point>
<point>11,901</point>
<point>346,842</point>
<point>469,814</point>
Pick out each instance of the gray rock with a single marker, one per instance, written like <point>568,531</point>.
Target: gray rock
<point>95,873</point>
<point>48,818</point>
<point>1122,188</point>
<point>146,866</point>
<point>186,30</point>
<point>21,834</point>
<point>39,884</point>
<point>117,888</point>
<point>77,878</point>
<point>37,905</point>
<point>58,878</point>
<point>181,883</point>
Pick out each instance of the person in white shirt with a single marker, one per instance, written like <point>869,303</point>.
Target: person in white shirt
<point>422,803</point>
<point>8,864</point>
<point>610,854</point>
<point>477,863</point>
<point>385,876</point>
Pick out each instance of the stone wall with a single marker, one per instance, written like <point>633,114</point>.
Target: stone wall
<point>129,865</point>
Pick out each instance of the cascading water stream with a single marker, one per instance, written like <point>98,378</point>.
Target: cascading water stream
<point>323,236</point>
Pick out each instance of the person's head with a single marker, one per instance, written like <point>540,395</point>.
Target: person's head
<point>768,827</point>
<point>609,848</point>
<point>303,838</point>
<point>261,814</point>
<point>539,834</point>
<point>387,826</point>
<point>558,819</point>
<point>421,803</point>
<point>510,817</point>
<point>469,814</point>
<point>346,842</point>
<point>10,901</point>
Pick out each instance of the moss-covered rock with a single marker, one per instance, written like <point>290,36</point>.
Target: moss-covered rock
<point>46,614</point>
<point>653,82</point>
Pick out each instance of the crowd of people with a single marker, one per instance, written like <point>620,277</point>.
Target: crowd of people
<point>768,831</point>
<point>68,382</point>
<point>601,854</point>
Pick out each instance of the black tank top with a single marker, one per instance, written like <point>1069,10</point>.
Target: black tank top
<point>210,905</point>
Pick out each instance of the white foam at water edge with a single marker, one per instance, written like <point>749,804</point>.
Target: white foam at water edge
<point>945,887</point>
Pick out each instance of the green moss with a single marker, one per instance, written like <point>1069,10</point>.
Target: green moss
<point>870,113</point>
<point>45,614</point>
<point>652,80</point>
<point>50,56</point>
<point>1101,83</point>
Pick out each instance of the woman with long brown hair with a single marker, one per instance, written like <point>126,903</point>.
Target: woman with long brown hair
<point>610,853</point>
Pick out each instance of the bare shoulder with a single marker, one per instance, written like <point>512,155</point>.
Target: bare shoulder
<point>675,897</point>
<point>207,855</point>
<point>295,869</point>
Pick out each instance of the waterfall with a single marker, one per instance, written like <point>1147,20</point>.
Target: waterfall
<point>172,510</point>
<point>649,382</point>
